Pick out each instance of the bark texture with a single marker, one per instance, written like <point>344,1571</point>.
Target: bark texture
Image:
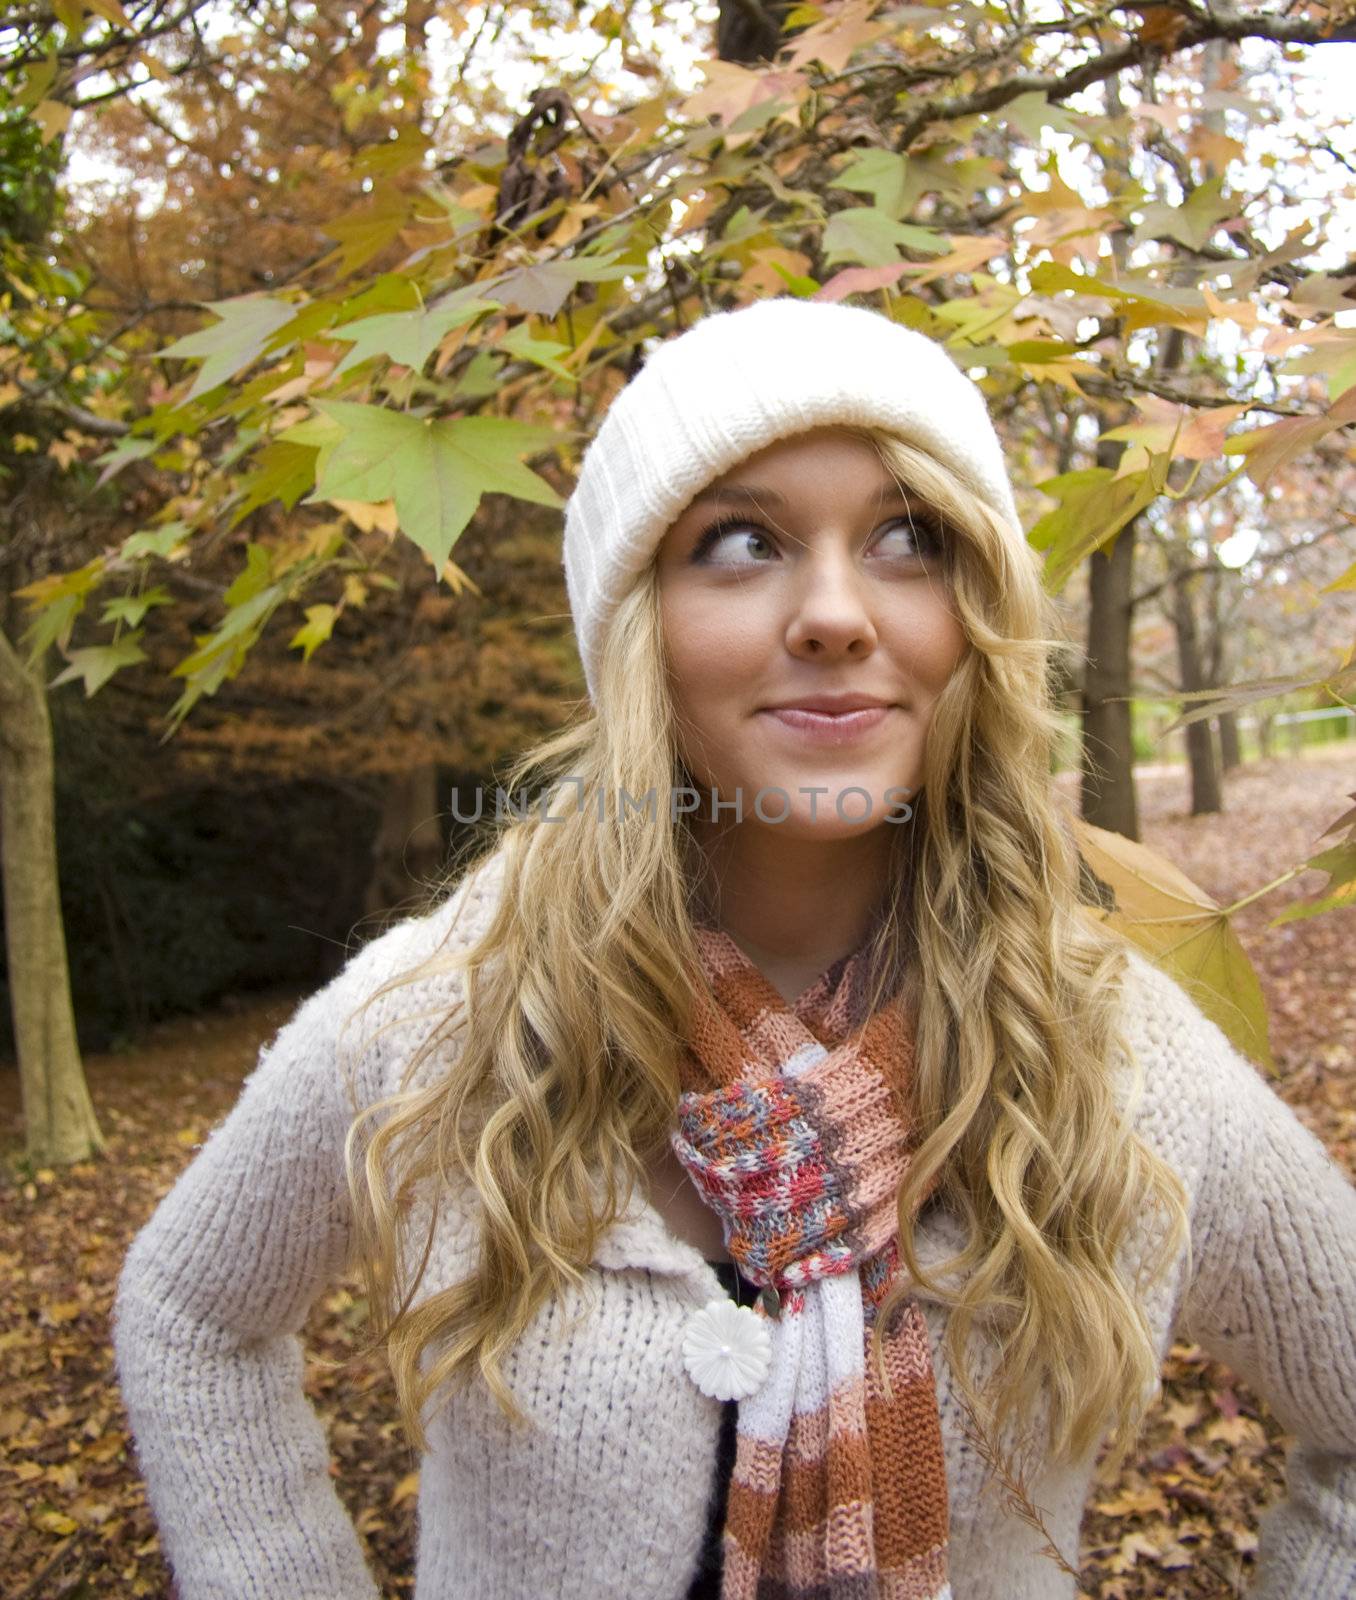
<point>60,1126</point>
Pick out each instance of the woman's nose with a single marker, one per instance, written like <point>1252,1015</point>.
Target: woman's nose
<point>829,613</point>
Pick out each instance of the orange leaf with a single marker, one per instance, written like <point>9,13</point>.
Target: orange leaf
<point>833,41</point>
<point>1162,26</point>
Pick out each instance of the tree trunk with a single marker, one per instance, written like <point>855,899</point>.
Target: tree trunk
<point>1214,64</point>
<point>751,33</point>
<point>1265,726</point>
<point>1108,750</point>
<point>1217,664</point>
<point>408,849</point>
<point>1205,790</point>
<point>59,1121</point>
<point>1230,746</point>
<point>1108,754</point>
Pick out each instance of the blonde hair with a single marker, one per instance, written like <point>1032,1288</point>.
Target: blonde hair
<point>578,995</point>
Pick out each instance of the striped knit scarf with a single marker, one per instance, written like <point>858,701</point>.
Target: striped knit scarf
<point>797,1136</point>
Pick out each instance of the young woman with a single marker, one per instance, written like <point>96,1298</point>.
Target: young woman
<point>758,1156</point>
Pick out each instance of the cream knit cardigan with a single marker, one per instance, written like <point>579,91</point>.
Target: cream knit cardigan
<point>606,1498</point>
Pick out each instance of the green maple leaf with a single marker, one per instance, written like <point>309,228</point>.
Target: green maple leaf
<point>867,236</point>
<point>155,541</point>
<point>544,289</point>
<point>407,149</point>
<point>280,471</point>
<point>367,229</point>
<point>129,449</point>
<point>232,343</point>
<point>131,608</point>
<point>1094,506</point>
<point>883,174</point>
<point>1181,929</point>
<point>1339,893</point>
<point>1032,111</point>
<point>435,471</point>
<point>97,664</point>
<point>544,352</point>
<point>408,337</point>
<point>314,631</point>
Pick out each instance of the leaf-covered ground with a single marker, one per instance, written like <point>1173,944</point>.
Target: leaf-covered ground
<point>1179,1522</point>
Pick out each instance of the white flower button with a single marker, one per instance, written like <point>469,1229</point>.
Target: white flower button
<point>727,1350</point>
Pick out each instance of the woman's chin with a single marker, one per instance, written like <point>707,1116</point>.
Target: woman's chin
<point>826,830</point>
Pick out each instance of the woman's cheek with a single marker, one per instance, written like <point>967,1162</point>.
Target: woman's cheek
<point>710,651</point>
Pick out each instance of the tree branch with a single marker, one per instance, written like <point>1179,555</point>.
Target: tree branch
<point>1267,559</point>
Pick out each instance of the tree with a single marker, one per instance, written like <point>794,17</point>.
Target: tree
<point>59,1116</point>
<point>61,1125</point>
<point>266,152</point>
<point>49,340</point>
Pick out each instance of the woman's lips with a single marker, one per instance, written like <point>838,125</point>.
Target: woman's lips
<point>824,727</point>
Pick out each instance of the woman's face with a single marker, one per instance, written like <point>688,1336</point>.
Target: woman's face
<point>801,576</point>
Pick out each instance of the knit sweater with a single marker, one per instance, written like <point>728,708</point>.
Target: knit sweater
<point>706,1579</point>
<point>606,1496</point>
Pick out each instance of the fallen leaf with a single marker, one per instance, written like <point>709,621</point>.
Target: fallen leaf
<point>55,1522</point>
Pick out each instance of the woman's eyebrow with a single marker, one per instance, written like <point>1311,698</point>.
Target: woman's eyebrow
<point>738,491</point>
<point>744,492</point>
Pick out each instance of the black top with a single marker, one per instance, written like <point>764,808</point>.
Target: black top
<point>707,1579</point>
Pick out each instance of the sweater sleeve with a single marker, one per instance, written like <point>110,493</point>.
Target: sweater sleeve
<point>1273,1296</point>
<point>215,1289</point>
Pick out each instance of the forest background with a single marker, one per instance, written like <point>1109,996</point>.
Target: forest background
<point>307,313</point>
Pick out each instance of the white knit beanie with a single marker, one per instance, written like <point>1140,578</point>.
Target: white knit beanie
<point>732,383</point>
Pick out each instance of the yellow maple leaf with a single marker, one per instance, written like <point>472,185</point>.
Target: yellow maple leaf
<point>457,579</point>
<point>1181,929</point>
<point>366,515</point>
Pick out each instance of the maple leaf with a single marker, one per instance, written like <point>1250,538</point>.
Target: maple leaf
<point>1268,447</point>
<point>408,337</point>
<point>435,471</point>
<point>868,236</point>
<point>233,342</point>
<point>833,41</point>
<point>1194,222</point>
<point>883,174</point>
<point>543,288</point>
<point>731,91</point>
<point>314,631</point>
<point>96,664</point>
<point>1180,928</point>
<point>1189,435</point>
<point>968,251</point>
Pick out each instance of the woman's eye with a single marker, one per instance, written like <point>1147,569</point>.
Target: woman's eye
<point>731,543</point>
<point>727,543</point>
<point>913,536</point>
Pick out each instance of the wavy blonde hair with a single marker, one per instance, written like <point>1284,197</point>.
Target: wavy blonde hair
<point>578,994</point>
